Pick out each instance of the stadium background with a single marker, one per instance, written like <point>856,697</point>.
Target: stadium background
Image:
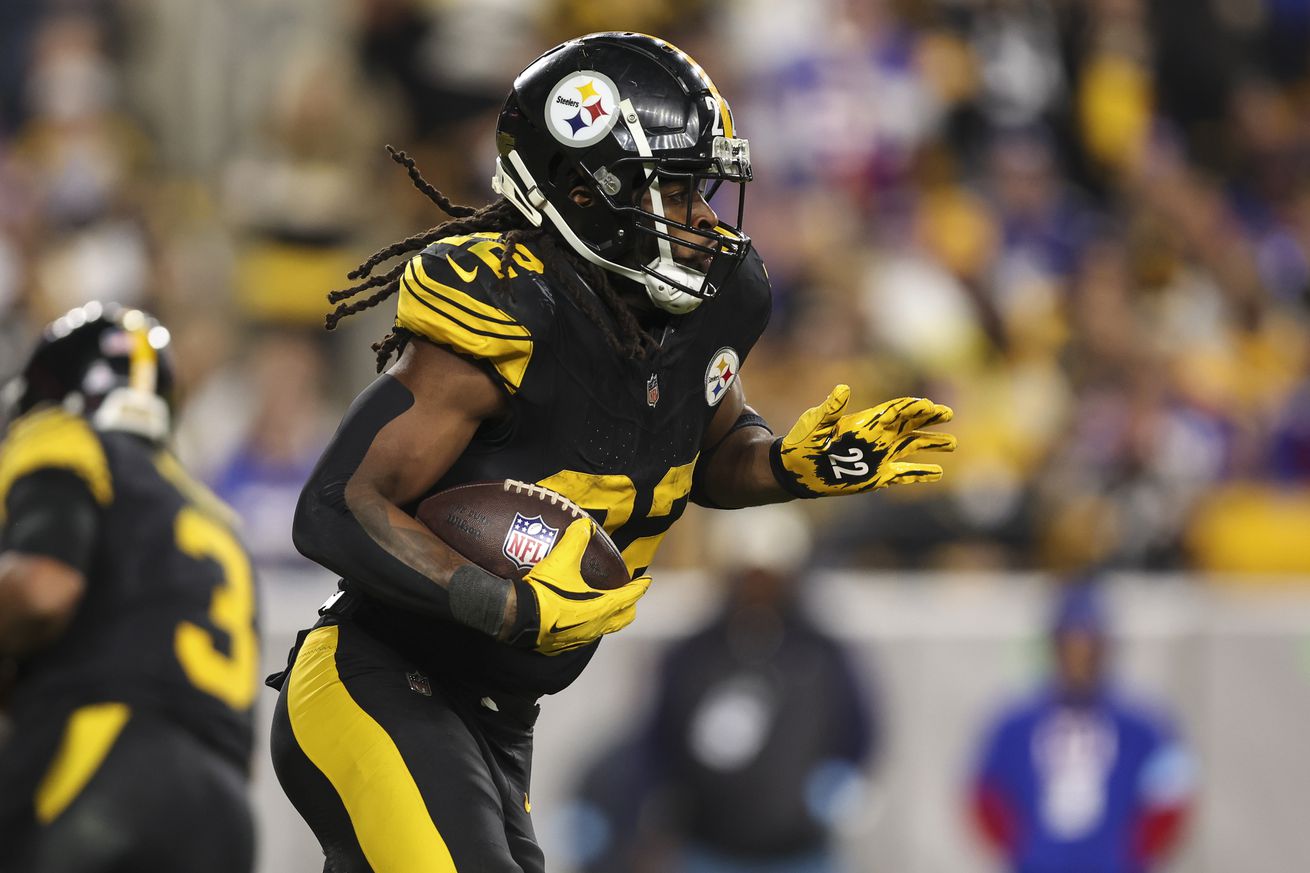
<point>1084,225</point>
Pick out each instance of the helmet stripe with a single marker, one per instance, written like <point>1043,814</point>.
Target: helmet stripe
<point>143,361</point>
<point>725,114</point>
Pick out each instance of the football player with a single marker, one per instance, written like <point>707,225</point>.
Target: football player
<point>585,332</point>
<point>127,611</point>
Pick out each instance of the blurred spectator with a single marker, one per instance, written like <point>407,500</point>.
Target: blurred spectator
<point>761,735</point>
<point>1077,777</point>
<point>18,18</point>
<point>286,425</point>
<point>448,61</point>
<point>445,65</point>
<point>295,193</point>
<point>82,156</point>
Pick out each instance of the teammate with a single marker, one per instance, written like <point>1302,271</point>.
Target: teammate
<point>585,332</point>
<point>127,612</point>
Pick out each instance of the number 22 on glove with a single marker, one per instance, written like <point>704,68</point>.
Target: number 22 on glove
<point>827,452</point>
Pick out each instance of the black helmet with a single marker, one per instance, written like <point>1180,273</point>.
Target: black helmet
<point>104,361</point>
<point>620,113</point>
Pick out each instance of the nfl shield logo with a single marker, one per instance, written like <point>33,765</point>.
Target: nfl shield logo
<point>529,540</point>
<point>653,390</point>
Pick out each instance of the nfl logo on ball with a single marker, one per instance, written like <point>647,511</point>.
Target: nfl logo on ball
<point>529,540</point>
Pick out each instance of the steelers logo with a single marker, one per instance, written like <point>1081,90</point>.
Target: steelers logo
<point>720,374</point>
<point>582,108</point>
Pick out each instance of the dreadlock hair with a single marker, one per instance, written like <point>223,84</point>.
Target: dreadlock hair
<point>586,284</point>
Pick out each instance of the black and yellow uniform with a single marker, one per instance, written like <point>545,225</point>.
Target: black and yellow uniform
<point>132,731</point>
<point>444,709</point>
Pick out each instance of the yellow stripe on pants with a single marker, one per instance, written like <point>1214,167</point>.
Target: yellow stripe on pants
<point>362,762</point>
<point>90,735</point>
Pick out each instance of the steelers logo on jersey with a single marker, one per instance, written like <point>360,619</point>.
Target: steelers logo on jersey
<point>582,108</point>
<point>720,374</point>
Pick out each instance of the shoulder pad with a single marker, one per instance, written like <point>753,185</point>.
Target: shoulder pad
<point>53,438</point>
<point>456,293</point>
<point>746,302</point>
<point>753,280</point>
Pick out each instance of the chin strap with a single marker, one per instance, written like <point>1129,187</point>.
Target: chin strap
<point>133,411</point>
<point>664,270</point>
<point>504,185</point>
<point>663,293</point>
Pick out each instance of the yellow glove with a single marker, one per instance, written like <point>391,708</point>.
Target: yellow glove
<point>826,452</point>
<point>569,612</point>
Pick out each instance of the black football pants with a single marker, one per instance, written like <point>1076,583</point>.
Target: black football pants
<point>106,788</point>
<point>396,772</point>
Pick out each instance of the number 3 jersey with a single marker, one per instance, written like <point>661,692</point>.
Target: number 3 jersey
<point>166,621</point>
<point>620,437</point>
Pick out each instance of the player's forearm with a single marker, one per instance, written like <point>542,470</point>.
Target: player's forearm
<point>377,547</point>
<point>739,473</point>
<point>38,596</point>
<point>50,533</point>
<point>401,536</point>
<point>346,523</point>
<point>389,555</point>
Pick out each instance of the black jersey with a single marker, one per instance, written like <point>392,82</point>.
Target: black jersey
<point>619,437</point>
<point>167,619</point>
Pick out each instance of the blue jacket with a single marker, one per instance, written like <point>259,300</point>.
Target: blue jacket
<point>1099,786</point>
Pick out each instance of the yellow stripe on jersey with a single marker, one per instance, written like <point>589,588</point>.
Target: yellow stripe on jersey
<point>194,491</point>
<point>674,486</point>
<point>489,248</point>
<point>616,496</point>
<point>54,439</point>
<point>362,762</point>
<point>89,736</point>
<point>471,327</point>
<point>464,305</point>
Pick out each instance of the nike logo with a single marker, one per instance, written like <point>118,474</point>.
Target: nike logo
<point>559,628</point>
<point>566,594</point>
<point>466,275</point>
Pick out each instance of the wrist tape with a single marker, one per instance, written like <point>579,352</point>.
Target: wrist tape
<point>789,481</point>
<point>478,598</point>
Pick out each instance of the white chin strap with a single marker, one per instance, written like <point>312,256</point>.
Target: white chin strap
<point>131,410</point>
<point>534,205</point>
<point>668,296</point>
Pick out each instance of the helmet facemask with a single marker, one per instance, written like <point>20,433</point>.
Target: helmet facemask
<point>681,262</point>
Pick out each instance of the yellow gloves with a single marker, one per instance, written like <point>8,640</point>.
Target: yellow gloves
<point>826,452</point>
<point>570,612</point>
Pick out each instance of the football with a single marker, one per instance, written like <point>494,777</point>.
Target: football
<point>507,527</point>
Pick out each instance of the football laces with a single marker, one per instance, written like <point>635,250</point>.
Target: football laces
<point>543,493</point>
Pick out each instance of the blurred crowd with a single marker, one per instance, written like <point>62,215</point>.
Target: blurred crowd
<point>1084,224</point>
